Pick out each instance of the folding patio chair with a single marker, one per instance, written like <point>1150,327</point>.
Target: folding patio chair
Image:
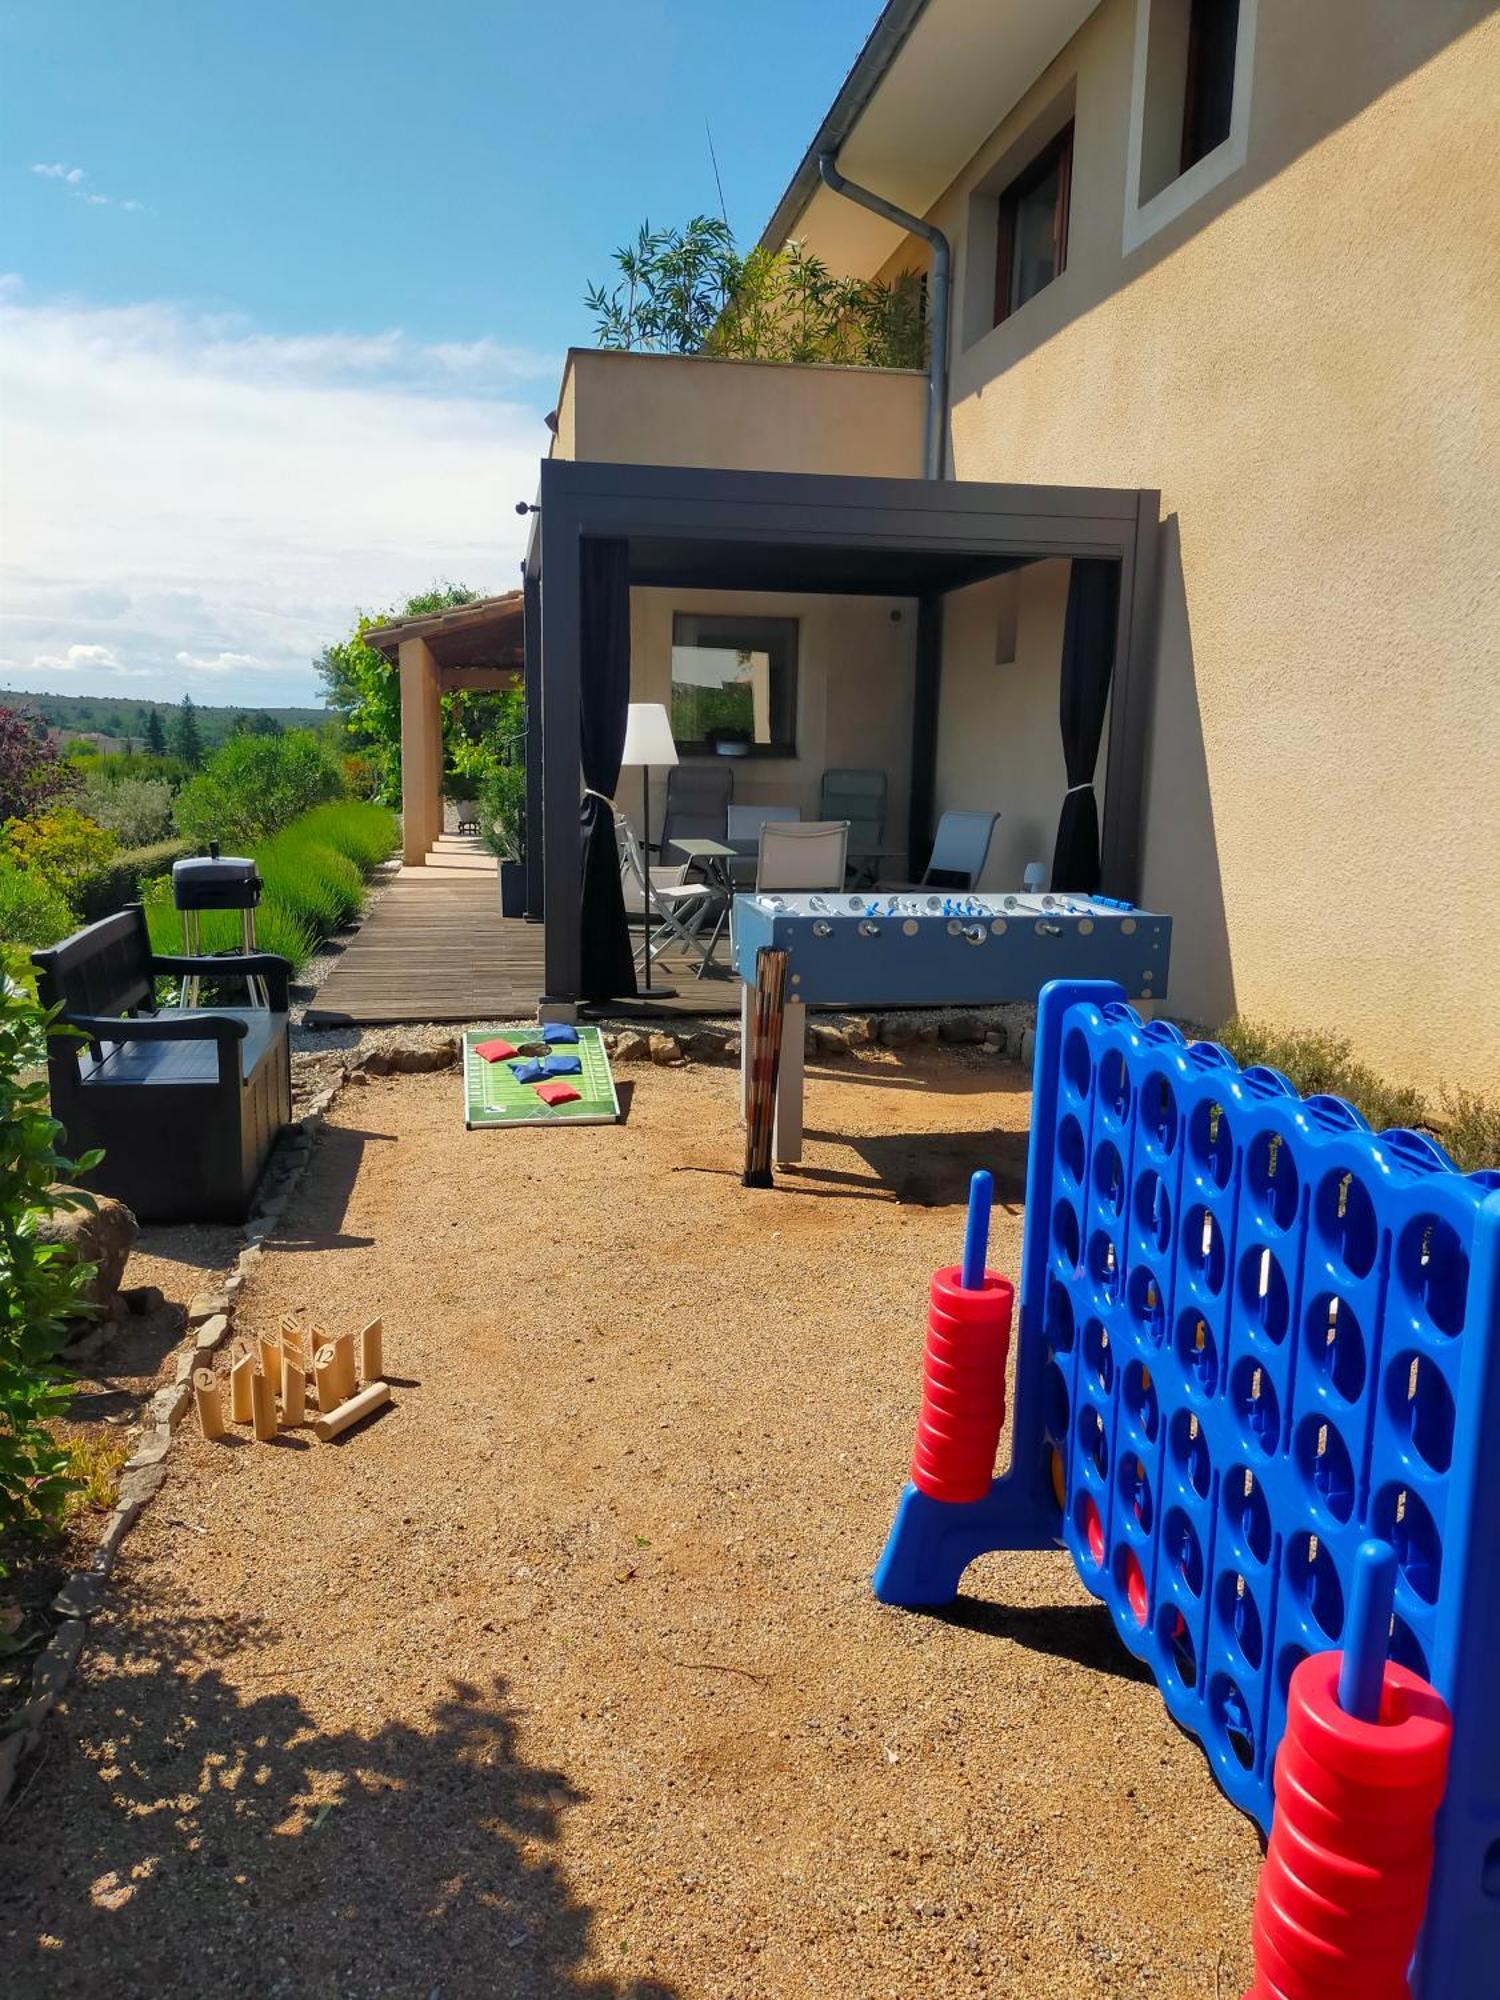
<point>802,854</point>
<point>678,909</point>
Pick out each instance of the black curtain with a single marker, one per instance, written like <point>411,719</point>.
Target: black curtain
<point>607,968</point>
<point>1088,658</point>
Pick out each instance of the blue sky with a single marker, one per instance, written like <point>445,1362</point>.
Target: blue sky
<point>281,312</point>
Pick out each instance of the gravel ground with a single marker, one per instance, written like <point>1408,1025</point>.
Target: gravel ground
<point>563,1677</point>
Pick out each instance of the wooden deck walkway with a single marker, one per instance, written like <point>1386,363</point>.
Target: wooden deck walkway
<point>436,948</point>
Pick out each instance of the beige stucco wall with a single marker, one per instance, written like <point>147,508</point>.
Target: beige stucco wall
<point>1307,365</point>
<point>747,416</point>
<point>855,669</point>
<point>999,736</point>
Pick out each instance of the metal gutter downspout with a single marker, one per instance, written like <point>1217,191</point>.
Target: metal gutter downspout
<point>938,295</point>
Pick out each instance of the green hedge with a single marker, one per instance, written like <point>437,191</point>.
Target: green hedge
<point>366,833</point>
<point>255,784</point>
<point>314,881</point>
<point>124,878</point>
<point>33,910</point>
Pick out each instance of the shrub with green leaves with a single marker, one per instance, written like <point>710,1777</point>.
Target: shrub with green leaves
<point>61,845</point>
<point>311,879</point>
<point>102,770</point>
<point>41,1286</point>
<point>691,291</point>
<point>33,911</point>
<point>124,878</point>
<point>256,785</point>
<point>364,687</point>
<point>1471,1129</point>
<point>365,832</point>
<point>502,811</point>
<point>1321,1063</point>
<point>137,811</point>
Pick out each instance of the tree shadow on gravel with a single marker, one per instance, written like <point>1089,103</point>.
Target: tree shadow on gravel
<point>188,1837</point>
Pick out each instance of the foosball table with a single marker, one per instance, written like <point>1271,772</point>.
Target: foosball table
<point>922,948</point>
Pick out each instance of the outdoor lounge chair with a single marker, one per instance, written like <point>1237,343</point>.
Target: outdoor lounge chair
<point>186,1102</point>
<point>698,798</point>
<point>802,854</point>
<point>678,908</point>
<point>745,823</point>
<point>859,797</point>
<point>960,848</point>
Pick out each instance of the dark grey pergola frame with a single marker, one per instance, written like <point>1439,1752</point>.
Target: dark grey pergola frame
<point>972,529</point>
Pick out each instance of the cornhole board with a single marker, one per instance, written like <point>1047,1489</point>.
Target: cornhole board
<point>493,1097</point>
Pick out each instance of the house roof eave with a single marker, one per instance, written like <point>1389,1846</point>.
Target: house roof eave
<point>971,61</point>
<point>502,613</point>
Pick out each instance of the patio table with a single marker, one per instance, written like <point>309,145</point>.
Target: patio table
<point>717,858</point>
<point>858,856</point>
<point>865,862</point>
<point>721,860</point>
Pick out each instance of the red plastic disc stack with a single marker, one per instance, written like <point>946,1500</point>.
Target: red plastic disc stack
<point>963,1386</point>
<point>1344,1885</point>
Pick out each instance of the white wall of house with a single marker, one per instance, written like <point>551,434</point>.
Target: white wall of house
<point>855,673</point>
<point>999,737</point>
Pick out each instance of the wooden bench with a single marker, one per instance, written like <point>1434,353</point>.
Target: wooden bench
<point>185,1102</point>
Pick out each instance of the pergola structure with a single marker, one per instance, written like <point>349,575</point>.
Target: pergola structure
<point>473,649</point>
<point>714,529</point>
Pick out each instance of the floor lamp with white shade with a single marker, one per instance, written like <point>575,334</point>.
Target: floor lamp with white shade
<point>648,741</point>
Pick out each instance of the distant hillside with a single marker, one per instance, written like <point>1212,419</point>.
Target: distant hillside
<point>118,716</point>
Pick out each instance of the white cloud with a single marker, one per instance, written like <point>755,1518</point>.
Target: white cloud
<point>221,663</point>
<point>189,501</point>
<point>73,178</point>
<point>82,659</point>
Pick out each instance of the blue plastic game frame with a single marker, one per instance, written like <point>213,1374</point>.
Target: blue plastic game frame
<point>1252,1334</point>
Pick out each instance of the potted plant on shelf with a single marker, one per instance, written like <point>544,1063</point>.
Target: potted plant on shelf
<point>502,812</point>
